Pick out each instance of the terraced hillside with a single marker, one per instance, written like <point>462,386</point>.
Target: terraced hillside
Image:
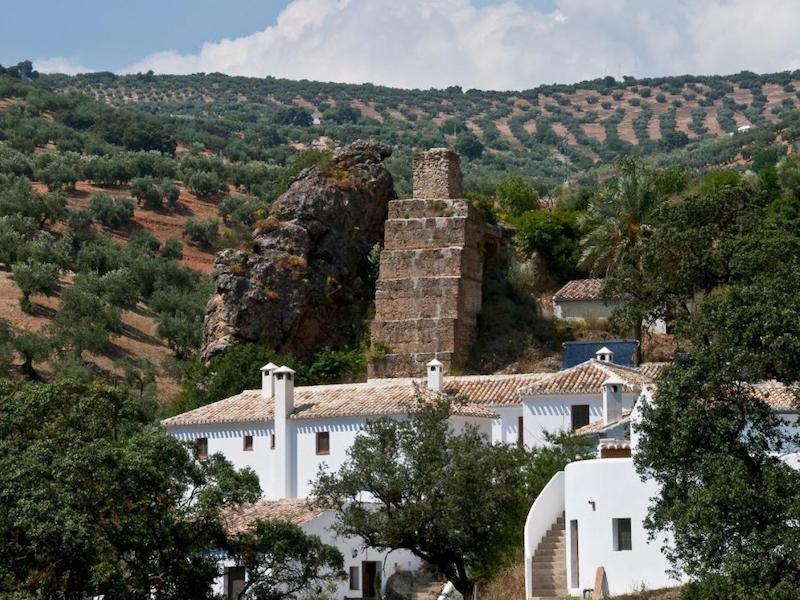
<point>550,131</point>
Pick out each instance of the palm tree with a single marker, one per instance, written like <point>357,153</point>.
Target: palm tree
<point>619,219</point>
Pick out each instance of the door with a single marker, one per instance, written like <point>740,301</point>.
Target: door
<point>575,579</point>
<point>369,579</point>
<point>234,578</point>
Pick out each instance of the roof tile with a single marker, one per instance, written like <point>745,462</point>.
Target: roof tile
<point>580,289</point>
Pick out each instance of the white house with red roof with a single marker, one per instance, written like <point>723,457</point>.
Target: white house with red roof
<point>581,300</point>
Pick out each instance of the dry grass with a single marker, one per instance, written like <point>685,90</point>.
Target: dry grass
<point>508,584</point>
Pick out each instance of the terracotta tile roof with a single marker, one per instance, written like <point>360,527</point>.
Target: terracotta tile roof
<point>599,426</point>
<point>652,369</point>
<point>580,289</point>
<point>779,396</point>
<point>586,378</point>
<point>297,511</point>
<point>376,397</point>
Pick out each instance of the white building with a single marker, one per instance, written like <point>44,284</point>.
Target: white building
<point>285,434</point>
<point>586,528</point>
<point>365,567</point>
<point>580,300</point>
<point>573,398</point>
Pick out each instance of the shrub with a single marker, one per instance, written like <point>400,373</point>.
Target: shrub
<point>144,189</point>
<point>203,232</point>
<point>516,195</point>
<point>172,249</point>
<point>554,235</point>
<point>111,212</point>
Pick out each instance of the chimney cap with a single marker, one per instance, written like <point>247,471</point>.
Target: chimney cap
<point>614,380</point>
<point>605,350</point>
<point>284,369</point>
<point>269,367</point>
<point>435,363</point>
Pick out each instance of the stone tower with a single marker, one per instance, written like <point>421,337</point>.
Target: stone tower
<point>428,293</point>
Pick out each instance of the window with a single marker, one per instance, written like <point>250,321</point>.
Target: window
<point>622,534</point>
<point>323,442</point>
<point>580,415</point>
<point>520,431</point>
<point>272,441</point>
<point>248,443</point>
<point>202,448</point>
<point>355,577</point>
<point>234,581</point>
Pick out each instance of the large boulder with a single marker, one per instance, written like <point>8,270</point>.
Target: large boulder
<point>304,281</point>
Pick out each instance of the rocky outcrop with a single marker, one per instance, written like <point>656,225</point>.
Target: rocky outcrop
<point>304,282</point>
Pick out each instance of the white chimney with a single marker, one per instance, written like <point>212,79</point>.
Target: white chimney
<point>612,399</point>
<point>605,355</point>
<point>285,441</point>
<point>268,381</point>
<point>435,370</point>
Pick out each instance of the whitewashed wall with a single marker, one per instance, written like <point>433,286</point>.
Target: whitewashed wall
<point>553,413</point>
<point>354,554</point>
<point>617,492</point>
<point>504,429</point>
<point>228,440</point>
<point>582,309</point>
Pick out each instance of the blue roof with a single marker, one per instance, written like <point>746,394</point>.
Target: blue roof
<point>577,352</point>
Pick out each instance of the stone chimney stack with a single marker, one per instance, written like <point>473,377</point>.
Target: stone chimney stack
<point>285,440</point>
<point>612,399</point>
<point>428,294</point>
<point>268,381</point>
<point>437,175</point>
<point>435,375</point>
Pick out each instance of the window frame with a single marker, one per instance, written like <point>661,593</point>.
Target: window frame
<point>202,448</point>
<point>323,435</point>
<point>272,441</point>
<point>521,431</point>
<point>619,542</point>
<point>354,585</point>
<point>572,415</point>
<point>247,443</point>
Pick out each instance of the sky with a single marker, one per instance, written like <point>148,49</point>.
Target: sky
<point>487,44</point>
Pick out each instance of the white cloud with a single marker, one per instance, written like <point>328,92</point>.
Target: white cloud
<point>60,64</point>
<point>504,45</point>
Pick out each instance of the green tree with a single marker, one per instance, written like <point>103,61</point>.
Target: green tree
<point>203,232</point>
<point>35,278</point>
<point>466,144</point>
<point>516,195</point>
<point>96,499</point>
<point>282,562</point>
<point>453,499</point>
<point>31,347</point>
<point>618,222</point>
<point>85,321</point>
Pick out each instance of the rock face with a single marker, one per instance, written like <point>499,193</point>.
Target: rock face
<point>304,282</point>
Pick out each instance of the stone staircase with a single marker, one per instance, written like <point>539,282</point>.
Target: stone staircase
<point>549,564</point>
<point>425,589</point>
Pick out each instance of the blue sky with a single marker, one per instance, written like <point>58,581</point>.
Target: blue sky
<point>489,44</point>
<point>110,34</point>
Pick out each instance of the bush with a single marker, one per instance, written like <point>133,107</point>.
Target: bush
<point>203,232</point>
<point>554,235</point>
<point>172,249</point>
<point>111,212</point>
<point>204,183</point>
<point>144,189</point>
<point>516,195</point>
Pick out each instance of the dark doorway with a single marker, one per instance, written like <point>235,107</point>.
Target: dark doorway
<point>573,554</point>
<point>369,579</point>
<point>234,582</point>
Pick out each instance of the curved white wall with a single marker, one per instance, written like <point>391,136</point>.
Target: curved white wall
<point>544,512</point>
<point>597,491</point>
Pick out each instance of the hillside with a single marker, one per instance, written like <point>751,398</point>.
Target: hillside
<point>550,132</point>
<point>172,169</point>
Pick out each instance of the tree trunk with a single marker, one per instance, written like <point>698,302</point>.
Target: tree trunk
<point>28,370</point>
<point>637,333</point>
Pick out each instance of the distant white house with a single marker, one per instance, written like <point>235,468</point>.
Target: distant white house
<point>743,128</point>
<point>580,300</point>
<point>586,528</point>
